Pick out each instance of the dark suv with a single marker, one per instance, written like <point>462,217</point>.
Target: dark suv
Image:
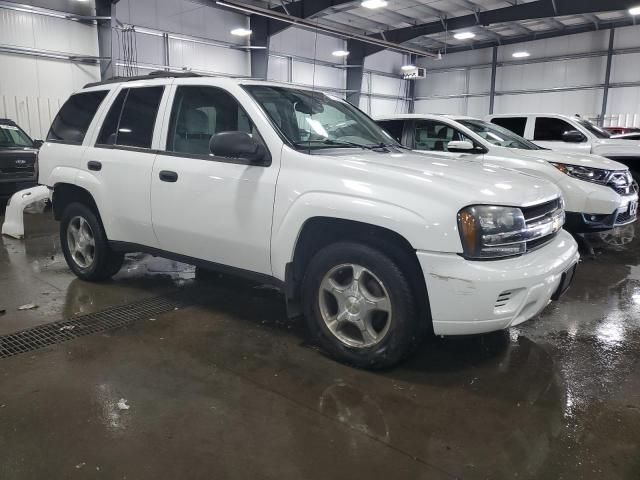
<point>18,159</point>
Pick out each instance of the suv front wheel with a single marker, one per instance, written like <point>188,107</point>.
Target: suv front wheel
<point>85,245</point>
<point>359,305</point>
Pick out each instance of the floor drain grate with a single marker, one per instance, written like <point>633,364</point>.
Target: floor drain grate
<point>52,333</point>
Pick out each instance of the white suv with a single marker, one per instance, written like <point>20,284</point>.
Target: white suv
<point>303,191</point>
<point>599,193</point>
<point>571,134</point>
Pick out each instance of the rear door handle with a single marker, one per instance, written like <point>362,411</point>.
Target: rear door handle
<point>168,176</point>
<point>95,166</point>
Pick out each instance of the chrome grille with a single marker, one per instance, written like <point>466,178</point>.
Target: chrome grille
<point>543,222</point>
<point>621,182</point>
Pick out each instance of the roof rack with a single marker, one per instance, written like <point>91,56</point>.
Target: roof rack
<point>154,74</point>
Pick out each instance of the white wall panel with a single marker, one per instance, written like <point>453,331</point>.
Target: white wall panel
<point>209,58</point>
<point>388,86</point>
<point>305,43</point>
<point>583,102</point>
<point>320,76</point>
<point>480,80</point>
<point>384,106</point>
<point>278,70</point>
<point>386,61</point>
<point>441,105</point>
<point>477,107</point>
<point>32,88</point>
<point>627,37</point>
<point>625,68</point>
<point>448,83</point>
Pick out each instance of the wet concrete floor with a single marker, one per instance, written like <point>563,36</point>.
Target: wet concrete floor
<point>230,388</point>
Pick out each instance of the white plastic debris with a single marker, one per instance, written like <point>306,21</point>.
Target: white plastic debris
<point>14,215</point>
<point>80,465</point>
<point>67,327</point>
<point>122,404</point>
<point>28,306</point>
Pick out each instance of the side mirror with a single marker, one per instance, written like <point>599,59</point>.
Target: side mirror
<point>38,143</point>
<point>460,146</point>
<point>572,136</point>
<point>238,145</point>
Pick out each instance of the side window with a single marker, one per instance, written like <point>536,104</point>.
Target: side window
<point>393,128</point>
<point>200,112</point>
<point>132,118</point>
<point>73,119</point>
<point>550,129</point>
<point>435,136</point>
<point>516,124</point>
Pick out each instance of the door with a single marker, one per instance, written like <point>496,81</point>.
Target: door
<point>548,132</point>
<point>212,208</point>
<point>433,136</point>
<point>121,162</point>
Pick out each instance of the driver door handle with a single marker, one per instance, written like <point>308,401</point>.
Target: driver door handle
<point>168,176</point>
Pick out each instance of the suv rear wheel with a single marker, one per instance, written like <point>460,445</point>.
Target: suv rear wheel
<point>360,306</point>
<point>85,245</point>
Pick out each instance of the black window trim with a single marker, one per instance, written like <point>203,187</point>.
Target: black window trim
<point>93,118</point>
<point>124,103</point>
<point>209,157</point>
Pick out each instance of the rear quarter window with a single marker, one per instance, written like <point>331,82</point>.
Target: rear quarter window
<point>73,119</point>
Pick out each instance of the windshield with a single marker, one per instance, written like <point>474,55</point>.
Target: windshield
<point>597,131</point>
<point>498,136</point>
<point>12,137</point>
<point>313,120</point>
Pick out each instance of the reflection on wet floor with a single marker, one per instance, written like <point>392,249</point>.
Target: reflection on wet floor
<point>556,397</point>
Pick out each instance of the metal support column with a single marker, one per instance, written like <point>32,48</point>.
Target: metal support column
<point>411,92</point>
<point>607,77</point>
<point>494,68</point>
<point>355,71</point>
<point>165,44</point>
<point>259,38</point>
<point>105,46</point>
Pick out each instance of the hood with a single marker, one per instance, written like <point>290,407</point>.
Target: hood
<point>585,160</point>
<point>616,147</point>
<point>461,181</point>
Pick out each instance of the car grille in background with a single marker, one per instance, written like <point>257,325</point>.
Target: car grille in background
<point>621,182</point>
<point>623,218</point>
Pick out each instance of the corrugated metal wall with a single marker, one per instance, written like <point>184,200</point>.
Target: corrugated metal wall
<point>33,88</point>
<point>464,90</point>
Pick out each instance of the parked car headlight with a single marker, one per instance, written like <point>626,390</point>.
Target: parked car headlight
<point>588,174</point>
<point>488,231</point>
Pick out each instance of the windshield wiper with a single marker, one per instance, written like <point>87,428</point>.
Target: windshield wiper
<point>392,145</point>
<point>336,143</point>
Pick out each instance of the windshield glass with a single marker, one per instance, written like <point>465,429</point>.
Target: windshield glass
<point>597,131</point>
<point>313,120</point>
<point>498,136</point>
<point>11,137</point>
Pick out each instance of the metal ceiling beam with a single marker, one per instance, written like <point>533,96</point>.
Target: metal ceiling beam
<point>513,13</point>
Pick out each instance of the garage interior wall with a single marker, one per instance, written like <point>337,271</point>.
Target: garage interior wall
<point>303,57</point>
<point>383,90</point>
<point>34,85</point>
<point>562,75</point>
<point>177,34</point>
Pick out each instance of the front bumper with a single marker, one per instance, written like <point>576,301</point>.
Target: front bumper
<point>470,297</point>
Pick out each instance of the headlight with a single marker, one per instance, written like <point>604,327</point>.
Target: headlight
<point>490,231</point>
<point>588,174</point>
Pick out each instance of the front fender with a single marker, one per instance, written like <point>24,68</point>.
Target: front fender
<point>405,222</point>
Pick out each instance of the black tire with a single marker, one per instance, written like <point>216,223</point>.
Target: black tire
<point>405,329</point>
<point>106,263</point>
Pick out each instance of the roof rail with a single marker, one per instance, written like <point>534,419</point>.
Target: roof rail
<point>154,74</point>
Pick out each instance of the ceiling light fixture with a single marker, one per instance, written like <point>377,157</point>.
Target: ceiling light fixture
<point>340,53</point>
<point>372,4</point>
<point>520,54</point>
<point>241,32</point>
<point>635,10</point>
<point>464,35</point>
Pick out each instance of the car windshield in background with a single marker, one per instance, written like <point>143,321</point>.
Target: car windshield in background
<point>313,120</point>
<point>597,131</point>
<point>498,135</point>
<point>12,137</point>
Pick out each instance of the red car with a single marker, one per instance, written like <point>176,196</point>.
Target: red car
<point>621,130</point>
